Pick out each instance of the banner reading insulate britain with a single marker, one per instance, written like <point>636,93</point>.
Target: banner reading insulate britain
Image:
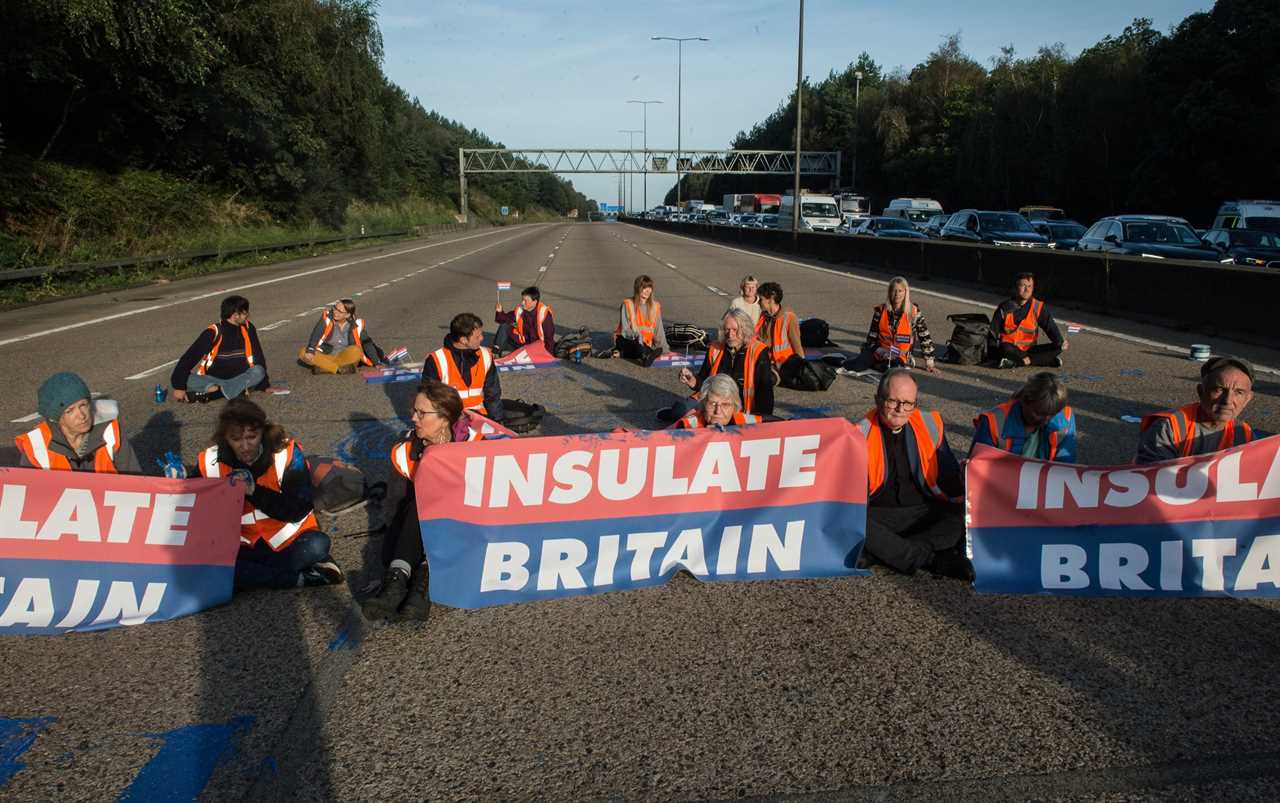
<point>1198,526</point>
<point>84,551</point>
<point>540,518</point>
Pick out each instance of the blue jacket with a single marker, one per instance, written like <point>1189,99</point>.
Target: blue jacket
<point>1003,427</point>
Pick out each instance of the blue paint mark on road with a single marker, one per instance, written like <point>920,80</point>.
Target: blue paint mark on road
<point>1131,372</point>
<point>370,442</point>
<point>344,641</point>
<point>16,738</point>
<point>186,761</point>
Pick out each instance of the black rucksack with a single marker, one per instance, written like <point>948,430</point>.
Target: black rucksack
<point>814,332</point>
<point>577,341</point>
<point>968,343</point>
<point>521,417</point>
<point>685,336</point>
<point>798,373</point>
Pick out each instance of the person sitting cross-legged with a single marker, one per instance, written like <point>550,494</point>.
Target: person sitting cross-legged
<point>340,342</point>
<point>465,365</point>
<point>225,361</point>
<point>779,329</point>
<point>1015,324</point>
<point>897,328</point>
<point>531,321</point>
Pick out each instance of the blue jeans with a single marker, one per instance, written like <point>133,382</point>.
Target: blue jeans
<point>236,385</point>
<point>258,567</point>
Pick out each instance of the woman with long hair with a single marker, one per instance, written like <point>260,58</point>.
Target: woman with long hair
<point>640,335</point>
<point>897,328</point>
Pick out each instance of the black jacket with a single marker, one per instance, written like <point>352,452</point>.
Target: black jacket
<point>732,364</point>
<point>466,360</point>
<point>1019,310</point>
<point>230,361</point>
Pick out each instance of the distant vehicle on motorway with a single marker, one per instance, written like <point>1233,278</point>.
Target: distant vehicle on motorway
<point>817,213</point>
<point>1152,236</point>
<point>1042,213</point>
<point>1263,215</point>
<point>1062,234</point>
<point>769,221</point>
<point>719,217</point>
<point>881,226</point>
<point>595,217</point>
<point>933,226</point>
<point>992,228</point>
<point>748,220</point>
<point>1255,247</point>
<point>916,210</point>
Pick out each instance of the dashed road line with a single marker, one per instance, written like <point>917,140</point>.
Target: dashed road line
<point>151,371</point>
<point>271,326</point>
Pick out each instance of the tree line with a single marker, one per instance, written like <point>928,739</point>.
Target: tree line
<point>283,101</point>
<point>1141,122</point>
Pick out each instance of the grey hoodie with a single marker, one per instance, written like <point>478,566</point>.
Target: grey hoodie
<point>104,412</point>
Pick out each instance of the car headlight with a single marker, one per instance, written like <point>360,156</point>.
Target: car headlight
<point>1152,256</point>
<point>1053,245</point>
<point>1254,261</point>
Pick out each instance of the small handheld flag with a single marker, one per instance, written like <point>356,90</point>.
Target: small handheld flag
<point>504,285</point>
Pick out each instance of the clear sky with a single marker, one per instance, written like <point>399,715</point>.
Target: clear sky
<point>558,73</point>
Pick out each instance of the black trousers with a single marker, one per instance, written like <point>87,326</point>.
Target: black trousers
<point>1043,356</point>
<point>403,539</point>
<point>905,538</point>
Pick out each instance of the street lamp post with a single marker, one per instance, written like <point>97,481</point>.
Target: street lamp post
<point>857,128</point>
<point>644,104</point>
<point>795,201</point>
<point>680,40</point>
<point>631,146</point>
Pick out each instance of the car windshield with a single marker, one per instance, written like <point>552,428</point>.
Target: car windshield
<point>1158,231</point>
<point>1252,238</point>
<point>811,209</point>
<point>917,215</point>
<point>893,223</point>
<point>1067,231</point>
<point>1271,224</point>
<point>769,219</point>
<point>1004,221</point>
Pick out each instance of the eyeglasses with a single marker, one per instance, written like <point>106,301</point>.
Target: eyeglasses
<point>720,405</point>
<point>899,404</point>
<point>416,413</point>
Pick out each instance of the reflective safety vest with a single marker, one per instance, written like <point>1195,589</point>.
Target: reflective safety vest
<point>35,445</point>
<point>1022,335</point>
<point>928,433</point>
<point>1182,423</point>
<point>470,389</point>
<point>357,332</point>
<point>694,420</point>
<point>645,327</point>
<point>716,351</point>
<point>994,419</point>
<point>254,524</point>
<point>778,338</point>
<point>402,453</point>
<point>896,342</point>
<point>206,362</point>
<point>541,311</point>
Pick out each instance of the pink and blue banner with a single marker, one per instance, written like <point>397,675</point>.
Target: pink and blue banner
<point>84,551</point>
<point>543,518</point>
<point>1198,526</point>
<point>527,358</point>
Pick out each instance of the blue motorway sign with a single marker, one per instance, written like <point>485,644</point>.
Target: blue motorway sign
<point>505,210</point>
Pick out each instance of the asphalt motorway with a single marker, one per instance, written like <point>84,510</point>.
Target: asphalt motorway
<point>875,688</point>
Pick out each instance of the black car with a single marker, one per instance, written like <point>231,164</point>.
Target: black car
<point>1152,236</point>
<point>1246,246</point>
<point>993,228</point>
<point>933,226</point>
<point>887,227</point>
<point>1063,234</point>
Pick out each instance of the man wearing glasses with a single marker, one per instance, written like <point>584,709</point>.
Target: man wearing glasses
<point>1209,425</point>
<point>340,342</point>
<point>915,487</point>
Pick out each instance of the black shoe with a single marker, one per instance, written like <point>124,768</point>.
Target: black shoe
<point>324,573</point>
<point>416,603</point>
<point>347,369</point>
<point>666,415</point>
<point>395,584</point>
<point>205,398</point>
<point>952,563</point>
<point>649,355</point>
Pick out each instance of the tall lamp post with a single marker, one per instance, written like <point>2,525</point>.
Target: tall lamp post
<point>631,134</point>
<point>680,40</point>
<point>644,104</point>
<point>795,201</point>
<point>857,128</point>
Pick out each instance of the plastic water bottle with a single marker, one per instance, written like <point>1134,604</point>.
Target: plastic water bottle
<point>577,356</point>
<point>160,394</point>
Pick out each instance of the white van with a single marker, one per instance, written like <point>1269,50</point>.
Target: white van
<point>1263,215</point>
<point>916,210</point>
<point>817,213</point>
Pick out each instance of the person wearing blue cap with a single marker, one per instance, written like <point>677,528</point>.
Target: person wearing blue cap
<point>76,431</point>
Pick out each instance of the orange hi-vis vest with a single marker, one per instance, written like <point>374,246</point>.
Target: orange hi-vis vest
<point>995,418</point>
<point>470,389</point>
<point>402,453</point>
<point>357,332</point>
<point>694,420</point>
<point>35,445</point>
<point>1183,423</point>
<point>206,362</point>
<point>254,524</point>
<point>778,338</point>
<point>928,433</point>
<point>897,342</point>
<point>716,351</point>
<point>541,311</point>
<point>1022,335</point>
<point>645,327</point>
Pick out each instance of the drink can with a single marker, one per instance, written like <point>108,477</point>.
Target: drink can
<point>160,394</point>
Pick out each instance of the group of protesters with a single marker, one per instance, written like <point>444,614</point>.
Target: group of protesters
<point>915,513</point>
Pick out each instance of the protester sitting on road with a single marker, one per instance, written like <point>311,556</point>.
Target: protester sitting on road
<point>225,361</point>
<point>467,367</point>
<point>897,327</point>
<point>718,407</point>
<point>741,357</point>
<point>779,329</point>
<point>532,321</point>
<point>1209,425</point>
<point>281,545</point>
<point>914,516</point>
<point>1036,422</point>
<point>1014,328</point>
<point>640,335</point>
<point>76,432</point>
<point>437,418</point>
<point>747,300</point>
<point>340,341</point>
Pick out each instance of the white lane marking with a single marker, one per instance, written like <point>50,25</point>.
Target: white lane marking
<point>551,256</point>
<point>379,286</point>
<point>151,371</point>
<point>270,326</point>
<point>959,299</point>
<point>26,419</point>
<point>264,282</point>
<point>542,269</point>
<point>304,314</point>
<point>669,265</point>
<point>717,291</point>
